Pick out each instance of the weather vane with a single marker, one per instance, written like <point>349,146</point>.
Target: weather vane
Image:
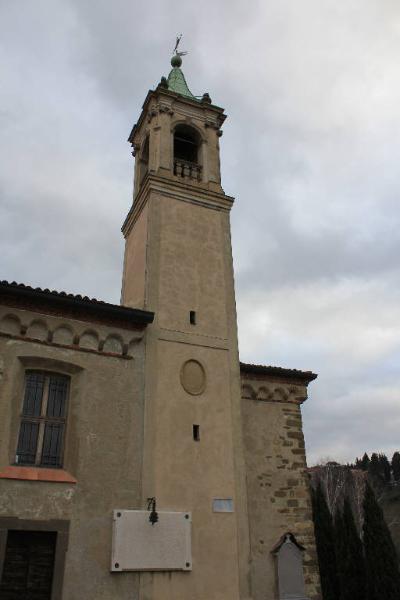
<point>178,39</point>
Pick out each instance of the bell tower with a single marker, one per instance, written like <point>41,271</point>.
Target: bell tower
<point>176,144</point>
<point>178,263</point>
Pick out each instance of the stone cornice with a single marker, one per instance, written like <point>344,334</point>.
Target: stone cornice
<point>180,190</point>
<point>161,91</point>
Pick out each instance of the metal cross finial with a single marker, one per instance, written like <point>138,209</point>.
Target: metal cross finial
<point>178,39</point>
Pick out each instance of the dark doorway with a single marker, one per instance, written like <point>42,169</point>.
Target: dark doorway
<point>28,565</point>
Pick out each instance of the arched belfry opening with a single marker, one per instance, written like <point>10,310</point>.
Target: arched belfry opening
<point>186,144</point>
<point>187,159</point>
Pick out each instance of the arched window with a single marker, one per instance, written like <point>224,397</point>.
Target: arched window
<point>186,144</point>
<point>289,554</point>
<point>187,152</point>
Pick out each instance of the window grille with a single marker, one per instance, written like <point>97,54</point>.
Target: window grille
<point>43,420</point>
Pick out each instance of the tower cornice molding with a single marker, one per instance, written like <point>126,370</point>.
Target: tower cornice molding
<point>166,100</point>
<point>179,190</point>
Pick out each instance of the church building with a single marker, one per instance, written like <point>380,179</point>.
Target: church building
<point>139,458</point>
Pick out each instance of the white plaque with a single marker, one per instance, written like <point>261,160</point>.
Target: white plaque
<point>222,505</point>
<point>137,545</point>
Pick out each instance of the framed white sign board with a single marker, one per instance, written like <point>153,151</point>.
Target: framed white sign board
<point>137,545</point>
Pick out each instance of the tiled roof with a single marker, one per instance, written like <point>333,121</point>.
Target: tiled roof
<point>14,284</point>
<point>306,376</point>
<point>72,303</point>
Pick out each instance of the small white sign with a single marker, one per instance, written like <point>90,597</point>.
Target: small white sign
<point>223,505</point>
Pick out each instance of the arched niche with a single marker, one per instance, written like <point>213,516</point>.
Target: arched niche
<point>89,340</point>
<point>63,335</point>
<point>248,392</point>
<point>264,393</point>
<point>10,324</point>
<point>289,557</point>
<point>280,394</point>
<point>113,344</point>
<point>37,330</point>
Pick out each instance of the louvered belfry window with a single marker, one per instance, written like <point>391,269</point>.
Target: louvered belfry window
<point>43,419</point>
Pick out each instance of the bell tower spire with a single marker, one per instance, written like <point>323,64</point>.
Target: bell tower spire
<point>176,80</point>
<point>178,263</point>
<point>177,134</point>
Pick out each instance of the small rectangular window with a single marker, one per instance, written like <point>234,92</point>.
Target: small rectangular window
<point>41,434</point>
<point>196,433</point>
<point>192,317</point>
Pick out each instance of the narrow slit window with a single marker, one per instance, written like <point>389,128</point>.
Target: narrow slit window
<point>196,433</point>
<point>192,317</point>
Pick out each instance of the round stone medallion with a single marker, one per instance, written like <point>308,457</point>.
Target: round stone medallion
<point>193,377</point>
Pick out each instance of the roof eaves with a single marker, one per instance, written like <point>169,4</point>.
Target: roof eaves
<point>306,376</point>
<point>75,303</point>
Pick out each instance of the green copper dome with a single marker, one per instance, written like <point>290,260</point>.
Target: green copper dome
<point>176,79</point>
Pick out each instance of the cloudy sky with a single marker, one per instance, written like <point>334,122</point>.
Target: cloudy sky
<point>310,151</point>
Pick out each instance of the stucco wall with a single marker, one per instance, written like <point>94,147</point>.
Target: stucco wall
<point>134,278</point>
<point>103,440</point>
<point>186,475</point>
<point>277,485</point>
<point>191,270</point>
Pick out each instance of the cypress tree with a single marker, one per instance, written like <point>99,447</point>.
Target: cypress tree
<point>382,567</point>
<point>324,537</point>
<point>396,466</point>
<point>340,550</point>
<point>353,582</point>
<point>385,467</point>
<point>365,462</point>
<point>374,468</point>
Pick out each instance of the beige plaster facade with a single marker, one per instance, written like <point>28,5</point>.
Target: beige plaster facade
<point>159,405</point>
<point>103,458</point>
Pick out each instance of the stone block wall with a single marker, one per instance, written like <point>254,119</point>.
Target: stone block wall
<point>278,492</point>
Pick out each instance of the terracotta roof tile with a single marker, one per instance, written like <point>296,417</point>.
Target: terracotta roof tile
<point>72,303</point>
<point>277,371</point>
<point>53,292</point>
